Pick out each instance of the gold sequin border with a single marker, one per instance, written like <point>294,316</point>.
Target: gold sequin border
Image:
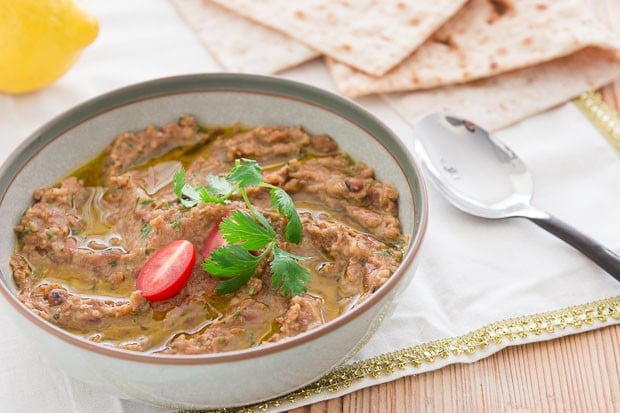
<point>601,115</point>
<point>507,332</point>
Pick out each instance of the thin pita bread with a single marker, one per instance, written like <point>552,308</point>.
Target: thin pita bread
<point>239,44</point>
<point>483,40</point>
<point>372,36</point>
<point>499,101</point>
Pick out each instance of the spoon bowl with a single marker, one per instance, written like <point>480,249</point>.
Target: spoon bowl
<point>481,176</point>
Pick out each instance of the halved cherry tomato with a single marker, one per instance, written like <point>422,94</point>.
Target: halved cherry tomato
<point>166,273</point>
<point>213,241</point>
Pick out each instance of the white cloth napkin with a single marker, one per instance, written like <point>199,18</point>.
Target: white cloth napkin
<point>474,272</point>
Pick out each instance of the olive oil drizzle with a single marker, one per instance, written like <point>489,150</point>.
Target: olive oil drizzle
<point>204,311</point>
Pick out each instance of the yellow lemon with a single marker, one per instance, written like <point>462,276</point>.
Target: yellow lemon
<point>40,40</point>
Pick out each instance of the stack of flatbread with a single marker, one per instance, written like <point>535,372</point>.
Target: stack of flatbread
<point>492,61</point>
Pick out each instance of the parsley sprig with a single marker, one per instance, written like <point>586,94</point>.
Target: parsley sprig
<point>247,232</point>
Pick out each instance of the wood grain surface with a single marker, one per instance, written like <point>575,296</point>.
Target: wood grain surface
<point>579,373</point>
<point>576,373</point>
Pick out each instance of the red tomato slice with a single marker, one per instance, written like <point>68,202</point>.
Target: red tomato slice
<point>166,273</point>
<point>214,241</point>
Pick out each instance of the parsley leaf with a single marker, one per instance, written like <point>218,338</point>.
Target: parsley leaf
<point>179,182</point>
<point>283,202</point>
<point>242,229</point>
<point>287,273</point>
<point>187,194</point>
<point>261,218</point>
<point>207,196</point>
<point>247,231</point>
<point>190,196</point>
<point>218,186</point>
<point>232,284</point>
<point>231,260</point>
<point>245,173</point>
<point>145,231</point>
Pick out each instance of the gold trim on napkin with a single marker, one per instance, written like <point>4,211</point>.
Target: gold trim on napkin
<point>601,115</point>
<point>507,332</point>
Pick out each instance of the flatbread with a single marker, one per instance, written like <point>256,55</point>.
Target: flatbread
<point>485,38</point>
<point>239,44</point>
<point>372,36</point>
<point>499,101</point>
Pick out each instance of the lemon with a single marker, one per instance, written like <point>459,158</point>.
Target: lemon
<point>40,40</point>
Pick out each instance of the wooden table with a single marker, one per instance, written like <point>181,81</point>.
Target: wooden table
<point>579,373</point>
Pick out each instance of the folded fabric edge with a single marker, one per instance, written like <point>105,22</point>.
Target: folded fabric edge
<point>467,348</point>
<point>472,346</point>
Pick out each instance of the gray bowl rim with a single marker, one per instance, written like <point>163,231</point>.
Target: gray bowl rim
<point>229,82</point>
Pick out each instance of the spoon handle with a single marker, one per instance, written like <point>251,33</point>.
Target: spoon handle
<point>601,255</point>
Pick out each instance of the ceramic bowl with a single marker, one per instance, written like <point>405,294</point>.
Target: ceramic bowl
<point>213,380</point>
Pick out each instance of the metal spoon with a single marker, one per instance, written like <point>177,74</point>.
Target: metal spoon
<point>483,177</point>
